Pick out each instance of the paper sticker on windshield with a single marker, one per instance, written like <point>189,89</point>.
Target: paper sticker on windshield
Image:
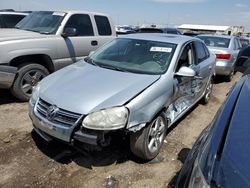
<point>160,49</point>
<point>58,13</point>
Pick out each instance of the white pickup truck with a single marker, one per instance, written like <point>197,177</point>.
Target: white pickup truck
<point>46,41</point>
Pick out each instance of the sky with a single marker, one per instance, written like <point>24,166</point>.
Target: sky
<point>164,12</point>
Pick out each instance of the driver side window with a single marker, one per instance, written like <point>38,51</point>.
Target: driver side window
<point>82,24</point>
<point>186,58</point>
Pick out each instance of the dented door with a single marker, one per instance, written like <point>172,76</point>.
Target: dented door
<point>186,89</point>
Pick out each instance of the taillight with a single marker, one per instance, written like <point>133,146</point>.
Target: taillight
<point>223,56</point>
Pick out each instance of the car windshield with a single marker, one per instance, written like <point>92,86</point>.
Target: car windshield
<point>133,55</point>
<point>45,22</point>
<point>215,41</point>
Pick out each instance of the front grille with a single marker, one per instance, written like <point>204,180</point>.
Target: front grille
<point>63,117</point>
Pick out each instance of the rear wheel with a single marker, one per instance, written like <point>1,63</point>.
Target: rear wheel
<point>28,76</point>
<point>147,142</point>
<point>230,76</point>
<point>208,92</point>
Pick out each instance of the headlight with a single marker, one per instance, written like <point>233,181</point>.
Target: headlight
<point>35,94</point>
<point>107,119</point>
<point>197,179</point>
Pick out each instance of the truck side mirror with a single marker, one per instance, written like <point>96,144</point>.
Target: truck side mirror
<point>69,32</point>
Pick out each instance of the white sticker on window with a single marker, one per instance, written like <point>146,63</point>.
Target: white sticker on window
<point>160,49</point>
<point>58,13</point>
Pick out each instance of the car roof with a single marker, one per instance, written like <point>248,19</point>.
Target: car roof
<point>219,36</point>
<point>161,37</point>
<point>14,13</point>
<point>75,12</point>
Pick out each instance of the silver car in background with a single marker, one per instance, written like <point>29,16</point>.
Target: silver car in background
<point>138,85</point>
<point>226,49</point>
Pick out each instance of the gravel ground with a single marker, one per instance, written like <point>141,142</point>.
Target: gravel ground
<point>27,161</point>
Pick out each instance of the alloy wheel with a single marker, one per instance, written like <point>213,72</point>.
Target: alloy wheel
<point>156,134</point>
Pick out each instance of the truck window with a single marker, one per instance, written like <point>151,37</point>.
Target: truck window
<point>82,24</point>
<point>103,25</point>
<point>11,20</point>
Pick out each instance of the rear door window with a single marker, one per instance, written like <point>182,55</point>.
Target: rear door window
<point>200,52</point>
<point>103,25</point>
<point>82,24</point>
<point>11,20</point>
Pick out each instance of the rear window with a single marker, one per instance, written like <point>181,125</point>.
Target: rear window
<point>103,25</point>
<point>215,41</point>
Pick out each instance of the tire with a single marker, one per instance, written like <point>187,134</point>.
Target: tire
<point>28,76</point>
<point>208,92</point>
<point>142,144</point>
<point>230,77</point>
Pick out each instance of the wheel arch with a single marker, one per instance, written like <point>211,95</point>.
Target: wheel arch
<point>41,59</point>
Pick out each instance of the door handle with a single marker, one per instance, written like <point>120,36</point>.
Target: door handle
<point>198,77</point>
<point>94,43</point>
<point>210,67</point>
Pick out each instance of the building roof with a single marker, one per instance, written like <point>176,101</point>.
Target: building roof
<point>204,27</point>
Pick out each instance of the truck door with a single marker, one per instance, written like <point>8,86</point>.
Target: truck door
<point>76,47</point>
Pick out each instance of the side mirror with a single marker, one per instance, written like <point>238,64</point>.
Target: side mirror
<point>69,32</point>
<point>185,71</point>
<point>242,64</point>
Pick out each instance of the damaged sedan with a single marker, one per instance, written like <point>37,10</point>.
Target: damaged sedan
<point>138,85</point>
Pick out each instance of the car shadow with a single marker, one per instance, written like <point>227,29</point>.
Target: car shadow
<point>6,97</point>
<point>182,155</point>
<point>219,79</point>
<point>85,155</point>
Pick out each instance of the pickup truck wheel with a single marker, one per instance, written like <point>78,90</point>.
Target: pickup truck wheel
<point>28,76</point>
<point>147,142</point>
<point>208,92</point>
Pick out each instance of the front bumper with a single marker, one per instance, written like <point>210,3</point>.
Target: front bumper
<point>48,130</point>
<point>7,76</point>
<point>223,68</point>
<point>58,131</point>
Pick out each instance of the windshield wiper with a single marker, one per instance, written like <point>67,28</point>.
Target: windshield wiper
<point>113,68</point>
<point>90,61</point>
<point>44,32</point>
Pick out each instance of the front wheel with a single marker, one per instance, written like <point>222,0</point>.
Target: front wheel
<point>28,76</point>
<point>147,142</point>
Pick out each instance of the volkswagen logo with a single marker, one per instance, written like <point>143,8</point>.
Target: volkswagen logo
<point>52,112</point>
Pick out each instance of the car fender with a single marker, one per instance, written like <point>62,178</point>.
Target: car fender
<point>144,107</point>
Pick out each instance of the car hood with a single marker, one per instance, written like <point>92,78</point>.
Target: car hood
<point>235,164</point>
<point>17,34</point>
<point>84,88</point>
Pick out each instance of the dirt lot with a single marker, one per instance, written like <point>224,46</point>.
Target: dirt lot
<point>28,161</point>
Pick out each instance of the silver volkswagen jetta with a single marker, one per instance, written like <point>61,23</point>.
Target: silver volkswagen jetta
<point>137,84</point>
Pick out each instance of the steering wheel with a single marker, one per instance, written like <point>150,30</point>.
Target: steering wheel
<point>159,58</point>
